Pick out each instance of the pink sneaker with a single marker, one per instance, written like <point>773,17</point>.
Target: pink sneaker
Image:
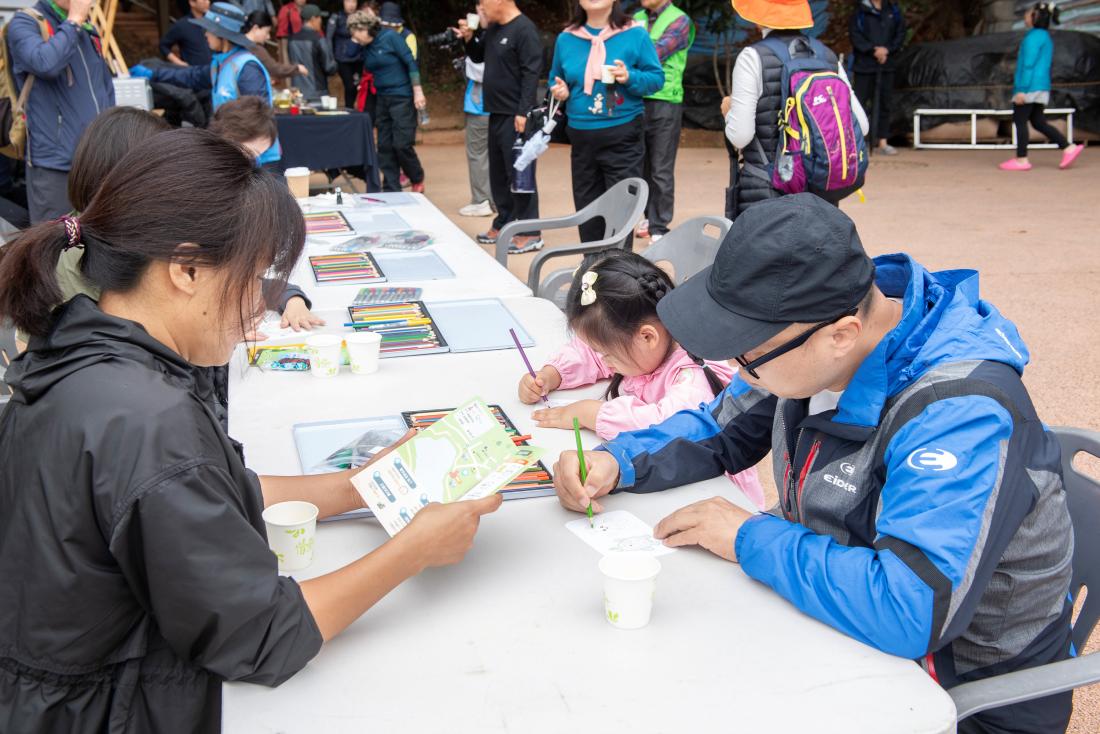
<point>1070,155</point>
<point>1014,165</point>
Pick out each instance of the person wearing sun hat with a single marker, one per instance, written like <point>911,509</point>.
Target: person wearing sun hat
<point>234,71</point>
<point>757,95</point>
<point>921,505</point>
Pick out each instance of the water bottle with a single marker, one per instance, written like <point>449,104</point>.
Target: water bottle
<point>523,181</point>
<point>423,116</point>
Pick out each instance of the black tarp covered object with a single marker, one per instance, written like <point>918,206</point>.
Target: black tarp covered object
<point>977,73</point>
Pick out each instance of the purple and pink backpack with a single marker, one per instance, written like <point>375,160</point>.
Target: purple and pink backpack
<point>821,147</point>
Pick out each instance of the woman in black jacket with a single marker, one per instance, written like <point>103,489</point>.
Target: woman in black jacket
<point>877,31</point>
<point>137,572</point>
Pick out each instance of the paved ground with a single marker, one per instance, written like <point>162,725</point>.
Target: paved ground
<point>1033,236</point>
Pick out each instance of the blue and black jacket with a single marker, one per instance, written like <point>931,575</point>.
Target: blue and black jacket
<point>925,515</point>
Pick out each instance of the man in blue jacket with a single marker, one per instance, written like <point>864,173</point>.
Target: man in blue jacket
<point>72,85</point>
<point>921,505</point>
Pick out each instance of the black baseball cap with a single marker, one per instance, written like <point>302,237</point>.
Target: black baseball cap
<point>794,259</point>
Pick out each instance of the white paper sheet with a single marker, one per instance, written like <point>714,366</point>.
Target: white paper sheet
<point>618,532</point>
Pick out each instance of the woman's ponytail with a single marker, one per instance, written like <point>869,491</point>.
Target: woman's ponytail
<point>28,274</point>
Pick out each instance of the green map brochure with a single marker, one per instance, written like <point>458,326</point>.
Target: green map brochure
<point>465,455</point>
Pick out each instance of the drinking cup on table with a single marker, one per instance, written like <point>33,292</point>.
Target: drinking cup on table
<point>324,354</point>
<point>608,74</point>
<point>363,351</point>
<point>291,530</point>
<point>298,181</point>
<point>473,20</point>
<point>629,582</point>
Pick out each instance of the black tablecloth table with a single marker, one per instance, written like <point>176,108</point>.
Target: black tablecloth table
<point>324,142</point>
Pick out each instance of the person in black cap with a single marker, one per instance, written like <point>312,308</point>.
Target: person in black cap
<point>309,48</point>
<point>921,504</point>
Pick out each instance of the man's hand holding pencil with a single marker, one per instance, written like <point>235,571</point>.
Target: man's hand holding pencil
<point>602,476</point>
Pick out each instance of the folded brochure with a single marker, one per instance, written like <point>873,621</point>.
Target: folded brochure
<point>464,456</point>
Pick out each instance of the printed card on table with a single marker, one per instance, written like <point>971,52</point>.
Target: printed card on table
<point>465,455</point>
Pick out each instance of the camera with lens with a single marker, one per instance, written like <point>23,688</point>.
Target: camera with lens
<point>447,38</point>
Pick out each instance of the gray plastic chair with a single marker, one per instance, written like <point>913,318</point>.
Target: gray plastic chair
<point>621,208</point>
<point>689,248</point>
<point>1083,497</point>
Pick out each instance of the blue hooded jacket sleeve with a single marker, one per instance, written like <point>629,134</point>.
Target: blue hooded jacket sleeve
<point>944,476</point>
<point>731,434</point>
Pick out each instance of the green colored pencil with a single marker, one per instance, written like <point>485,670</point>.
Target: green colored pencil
<point>584,469</point>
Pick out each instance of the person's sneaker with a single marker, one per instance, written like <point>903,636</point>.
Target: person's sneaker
<point>488,238</point>
<point>655,238</point>
<point>417,188</point>
<point>1013,164</point>
<point>1070,155</point>
<point>404,181</point>
<point>642,230</point>
<point>525,243</point>
<point>484,209</point>
<point>888,149</point>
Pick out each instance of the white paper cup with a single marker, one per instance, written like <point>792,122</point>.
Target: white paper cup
<point>324,354</point>
<point>473,20</point>
<point>363,351</point>
<point>629,581</point>
<point>298,181</point>
<point>291,530</point>
<point>608,76</point>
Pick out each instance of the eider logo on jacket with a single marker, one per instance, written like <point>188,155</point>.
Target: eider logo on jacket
<point>934,459</point>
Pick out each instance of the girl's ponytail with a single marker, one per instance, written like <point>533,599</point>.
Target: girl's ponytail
<point>716,384</point>
<point>28,273</point>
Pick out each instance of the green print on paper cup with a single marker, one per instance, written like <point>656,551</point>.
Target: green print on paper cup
<point>324,354</point>
<point>629,583</point>
<point>291,529</point>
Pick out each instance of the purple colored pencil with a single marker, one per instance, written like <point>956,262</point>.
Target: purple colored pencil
<point>530,369</point>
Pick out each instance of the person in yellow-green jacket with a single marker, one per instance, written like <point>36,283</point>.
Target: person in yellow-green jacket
<point>672,33</point>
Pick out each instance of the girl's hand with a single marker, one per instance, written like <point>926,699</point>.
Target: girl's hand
<point>560,90</point>
<point>545,381</point>
<point>297,316</point>
<point>303,70</point>
<point>621,73</point>
<point>1019,98</point>
<point>583,410</point>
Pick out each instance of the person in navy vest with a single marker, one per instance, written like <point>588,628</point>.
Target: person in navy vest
<point>233,72</point>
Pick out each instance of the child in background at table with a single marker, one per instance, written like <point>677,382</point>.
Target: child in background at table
<point>612,311</point>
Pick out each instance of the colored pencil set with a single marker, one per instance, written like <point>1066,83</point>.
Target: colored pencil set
<point>320,223</point>
<point>535,478</point>
<point>405,327</point>
<point>375,296</point>
<point>354,267</point>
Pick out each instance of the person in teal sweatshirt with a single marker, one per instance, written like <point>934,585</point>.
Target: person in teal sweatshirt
<point>1031,89</point>
<point>604,66</point>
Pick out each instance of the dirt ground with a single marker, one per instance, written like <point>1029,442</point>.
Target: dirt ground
<point>1032,236</point>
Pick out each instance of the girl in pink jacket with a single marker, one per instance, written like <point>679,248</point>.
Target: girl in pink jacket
<point>612,311</point>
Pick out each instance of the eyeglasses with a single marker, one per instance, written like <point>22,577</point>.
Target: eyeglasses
<point>789,346</point>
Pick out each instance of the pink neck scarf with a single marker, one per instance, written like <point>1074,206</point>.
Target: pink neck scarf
<point>597,55</point>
